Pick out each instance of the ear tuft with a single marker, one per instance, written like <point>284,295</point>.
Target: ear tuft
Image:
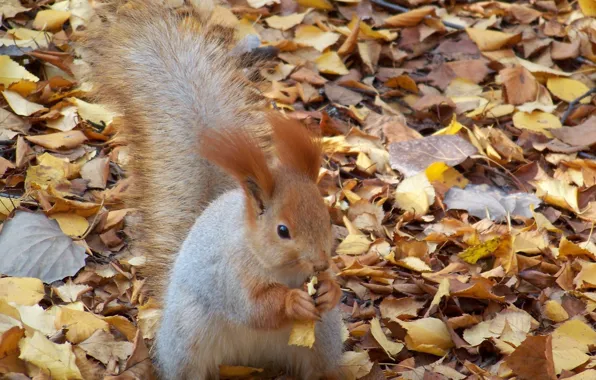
<point>238,153</point>
<point>296,147</point>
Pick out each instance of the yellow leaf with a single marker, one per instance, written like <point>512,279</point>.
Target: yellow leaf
<point>451,129</point>
<point>148,318</point>
<point>67,169</point>
<point>50,19</point>
<point>354,244</point>
<point>310,35</point>
<point>536,121</point>
<point>11,72</point>
<point>571,342</point>
<point>428,335</point>
<point>568,248</point>
<point>123,325</point>
<point>261,3</point>
<point>56,360</point>
<point>392,308</point>
<point>318,4</point>
<point>25,36</point>
<point>245,28</point>
<point>331,63</point>
<point>391,348</point>
<point>20,105</point>
<point>448,176</point>
<point>411,18</point>
<point>36,318</point>
<point>7,205</point>
<point>70,292</point>
<point>532,242</point>
<point>567,89</point>
<point>95,113</point>
<point>367,31</point>
<point>543,223</point>
<point>489,40</point>
<point>67,122</point>
<point>237,371</point>
<point>443,291</point>
<point>72,225</point>
<point>80,324</point>
<point>22,291</point>
<point>477,252</point>
<point>558,193</point>
<point>58,140</point>
<point>357,364</point>
<point>302,334</point>
<point>413,263</point>
<point>415,194</point>
<point>555,312</point>
<point>286,22</point>
<point>586,278</point>
<point>588,7</point>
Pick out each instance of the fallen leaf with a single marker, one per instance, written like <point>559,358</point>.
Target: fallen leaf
<point>391,348</point>
<point>533,359</point>
<point>286,22</point>
<point>50,19</point>
<point>490,202</point>
<point>428,335</point>
<point>310,35</point>
<point>536,121</point>
<point>58,140</point>
<point>415,194</point>
<point>490,40</point>
<point>20,105</point>
<point>55,359</point>
<point>331,63</point>
<point>11,72</point>
<point>33,246</point>
<point>472,254</point>
<point>102,346</point>
<point>22,291</point>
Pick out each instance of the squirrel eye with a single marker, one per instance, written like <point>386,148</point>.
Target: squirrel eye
<point>283,231</point>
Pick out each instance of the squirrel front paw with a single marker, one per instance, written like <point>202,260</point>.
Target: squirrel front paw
<point>301,306</point>
<point>327,296</point>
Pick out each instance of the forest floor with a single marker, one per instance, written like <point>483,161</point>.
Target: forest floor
<point>460,174</point>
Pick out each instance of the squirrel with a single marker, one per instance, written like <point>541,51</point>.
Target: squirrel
<point>231,220</point>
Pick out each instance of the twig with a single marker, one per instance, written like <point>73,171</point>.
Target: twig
<point>574,102</point>
<point>400,9</point>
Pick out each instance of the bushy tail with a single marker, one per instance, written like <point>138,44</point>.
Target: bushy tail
<point>169,72</point>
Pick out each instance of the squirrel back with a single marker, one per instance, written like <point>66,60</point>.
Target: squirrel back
<point>171,75</point>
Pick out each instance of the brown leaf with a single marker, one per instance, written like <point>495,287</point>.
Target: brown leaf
<point>580,135</point>
<point>341,95</point>
<point>533,359</point>
<point>519,85</point>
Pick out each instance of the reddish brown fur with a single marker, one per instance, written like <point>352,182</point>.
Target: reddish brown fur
<point>239,154</point>
<point>296,147</point>
<point>269,304</point>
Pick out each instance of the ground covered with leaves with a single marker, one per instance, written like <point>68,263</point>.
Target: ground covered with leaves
<point>460,173</point>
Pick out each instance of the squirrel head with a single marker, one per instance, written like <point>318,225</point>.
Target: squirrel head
<point>288,224</point>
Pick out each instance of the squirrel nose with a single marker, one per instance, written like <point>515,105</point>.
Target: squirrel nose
<point>321,266</point>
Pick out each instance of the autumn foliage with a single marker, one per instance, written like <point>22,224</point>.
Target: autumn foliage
<point>459,168</point>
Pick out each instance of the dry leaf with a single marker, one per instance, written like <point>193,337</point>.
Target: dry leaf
<point>55,359</point>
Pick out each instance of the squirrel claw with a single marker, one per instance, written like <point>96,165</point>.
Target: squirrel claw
<point>327,296</point>
<point>300,306</point>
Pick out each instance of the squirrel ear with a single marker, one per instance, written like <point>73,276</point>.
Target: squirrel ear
<point>256,195</point>
<point>238,153</point>
<point>296,147</point>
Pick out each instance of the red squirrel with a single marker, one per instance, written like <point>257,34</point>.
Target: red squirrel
<point>231,220</point>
